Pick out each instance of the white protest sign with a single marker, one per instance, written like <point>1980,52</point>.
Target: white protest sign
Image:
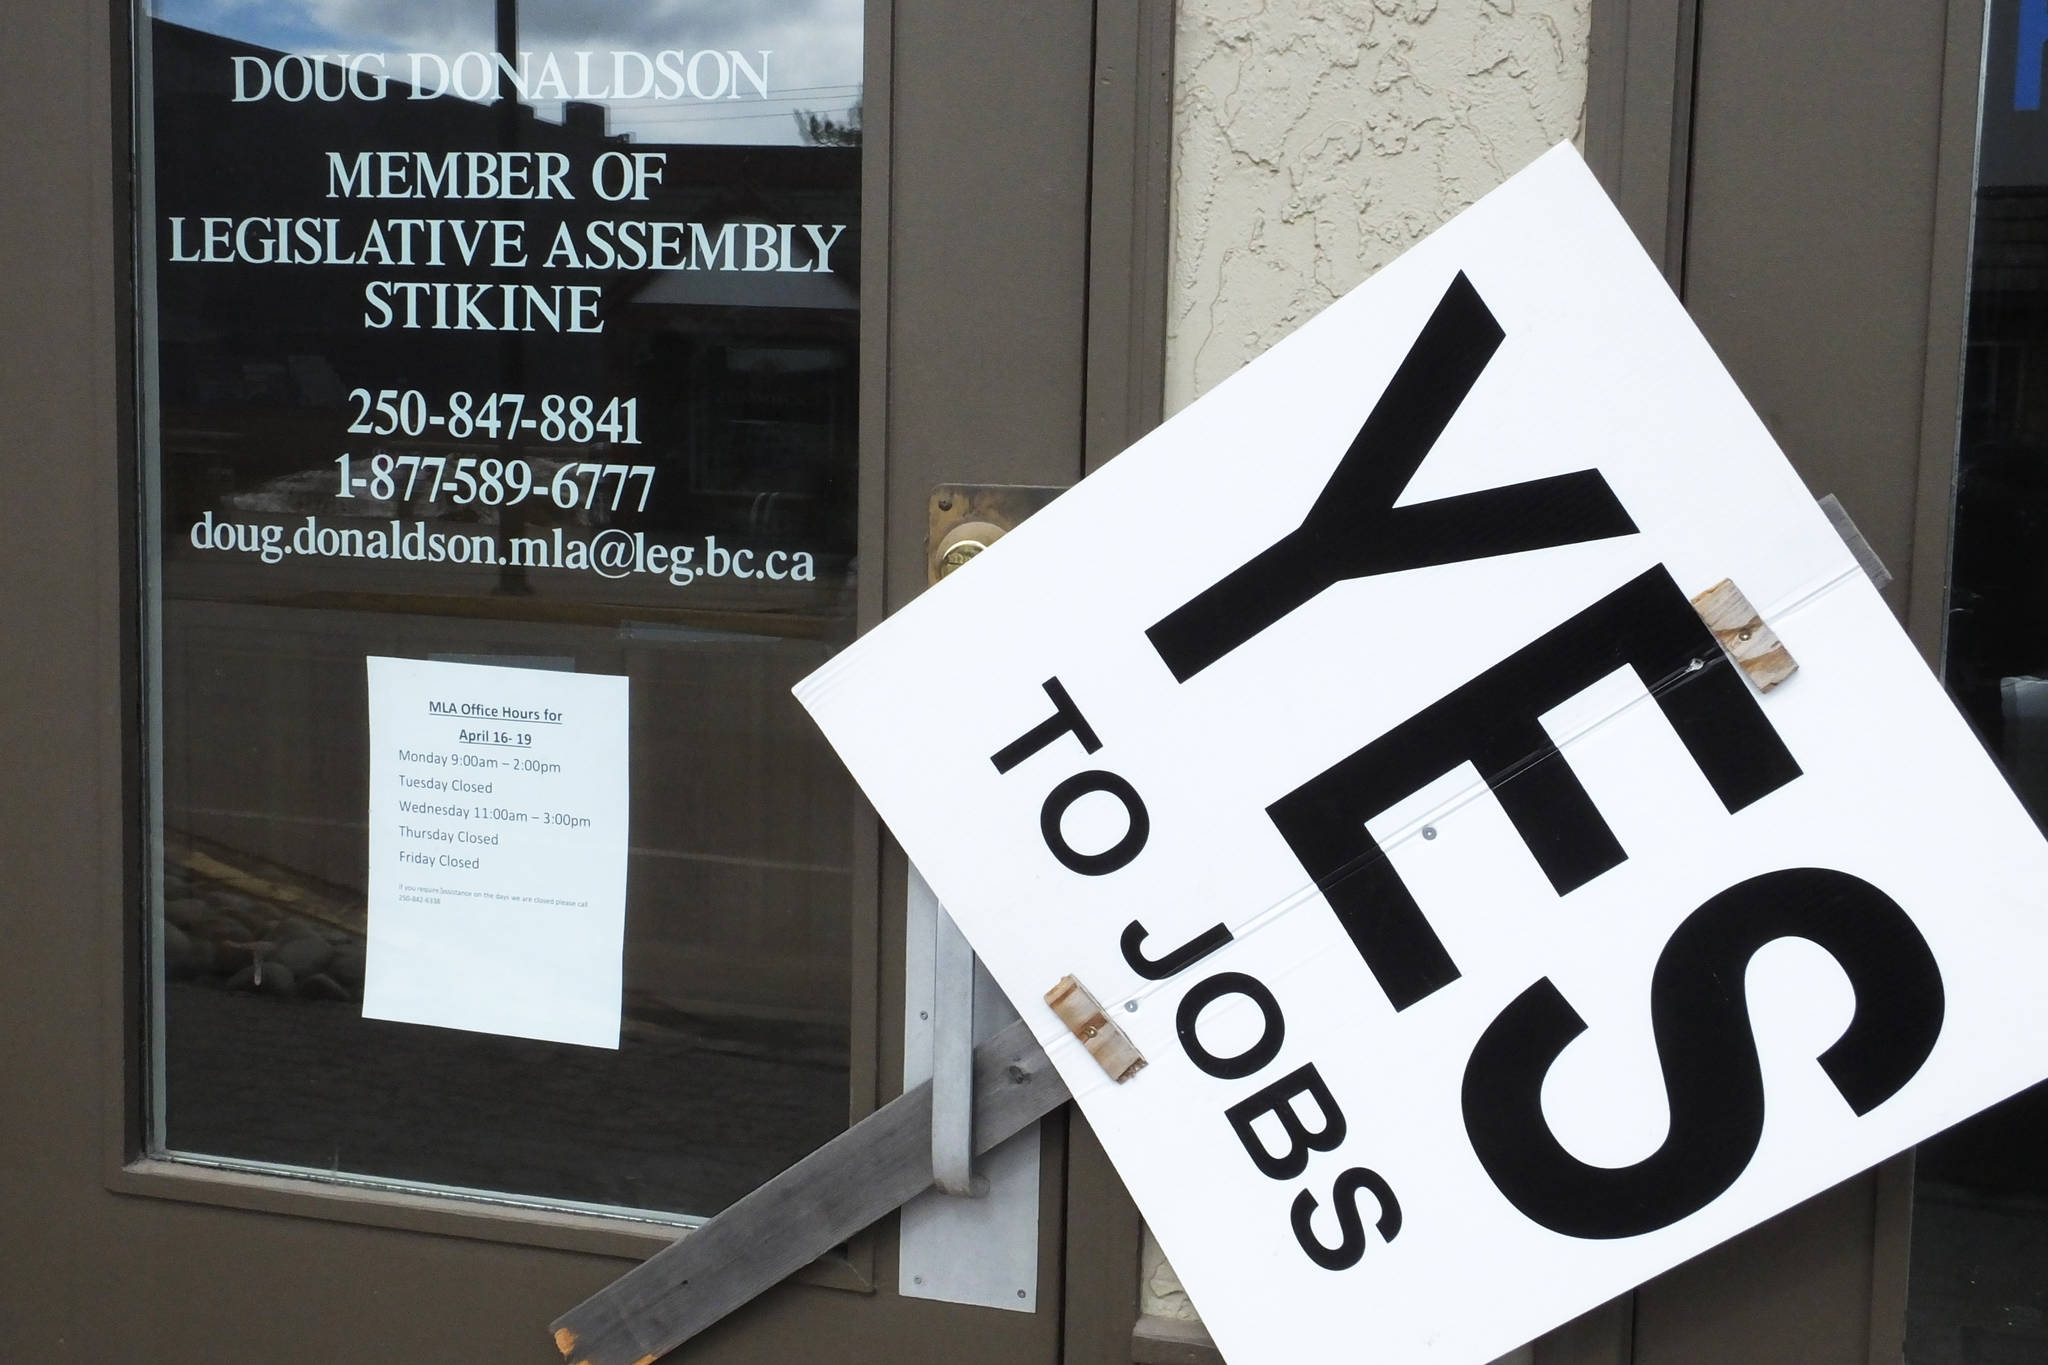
<point>497,893</point>
<point>1493,942</point>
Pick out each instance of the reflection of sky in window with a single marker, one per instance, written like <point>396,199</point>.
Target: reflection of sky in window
<point>814,45</point>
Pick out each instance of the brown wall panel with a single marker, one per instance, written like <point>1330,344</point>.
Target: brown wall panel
<point>1810,232</point>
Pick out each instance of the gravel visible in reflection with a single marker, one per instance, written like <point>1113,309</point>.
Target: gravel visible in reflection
<point>685,1117</point>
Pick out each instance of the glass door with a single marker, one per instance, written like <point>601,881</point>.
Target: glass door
<point>520,337</point>
<point>1979,1289</point>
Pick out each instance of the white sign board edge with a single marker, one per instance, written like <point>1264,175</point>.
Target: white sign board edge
<point>1599,369</point>
<point>498,820</point>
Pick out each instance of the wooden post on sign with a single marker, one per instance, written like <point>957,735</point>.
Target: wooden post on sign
<point>1109,1045</point>
<point>1754,646</point>
<point>874,1167</point>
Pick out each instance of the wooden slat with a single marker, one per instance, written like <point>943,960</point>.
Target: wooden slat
<point>1866,557</point>
<point>876,1166</point>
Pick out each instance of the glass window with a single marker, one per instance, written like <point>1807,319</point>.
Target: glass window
<point>518,333</point>
<point>1979,1287</point>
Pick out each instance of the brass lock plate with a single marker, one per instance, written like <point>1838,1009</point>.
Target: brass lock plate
<point>963,519</point>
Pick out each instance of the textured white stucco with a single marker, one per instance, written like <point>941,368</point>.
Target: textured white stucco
<point>1314,141</point>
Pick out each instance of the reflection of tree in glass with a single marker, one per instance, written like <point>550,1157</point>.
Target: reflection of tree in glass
<point>822,130</point>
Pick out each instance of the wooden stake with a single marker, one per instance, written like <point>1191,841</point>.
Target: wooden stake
<point>877,1165</point>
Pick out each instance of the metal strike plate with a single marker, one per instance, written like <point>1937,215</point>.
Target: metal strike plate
<point>983,1250</point>
<point>963,519</point>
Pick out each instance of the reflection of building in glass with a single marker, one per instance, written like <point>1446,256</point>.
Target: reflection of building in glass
<point>745,377</point>
<point>1998,622</point>
<point>743,74</point>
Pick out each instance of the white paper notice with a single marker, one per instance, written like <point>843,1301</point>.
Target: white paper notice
<point>497,849</point>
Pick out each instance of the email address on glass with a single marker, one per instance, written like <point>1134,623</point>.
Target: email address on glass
<point>611,553</point>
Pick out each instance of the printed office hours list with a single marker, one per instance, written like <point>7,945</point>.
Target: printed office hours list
<point>497,849</point>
